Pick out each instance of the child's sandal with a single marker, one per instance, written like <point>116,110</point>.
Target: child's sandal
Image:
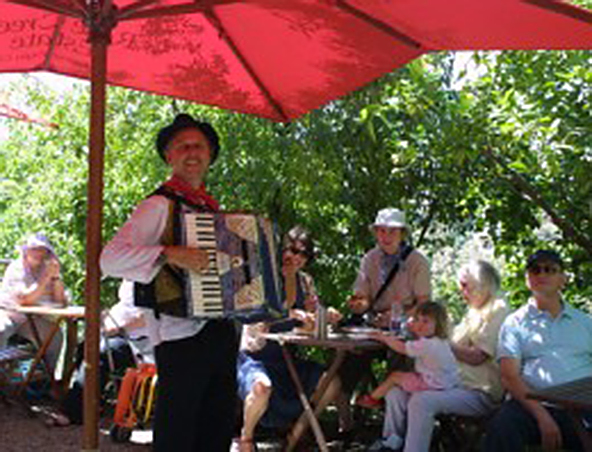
<point>247,445</point>
<point>367,401</point>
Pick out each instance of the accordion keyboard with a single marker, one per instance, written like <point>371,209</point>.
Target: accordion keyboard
<point>206,292</point>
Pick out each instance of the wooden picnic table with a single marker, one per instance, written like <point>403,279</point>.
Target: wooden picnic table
<point>70,315</point>
<point>339,342</point>
<point>575,397</point>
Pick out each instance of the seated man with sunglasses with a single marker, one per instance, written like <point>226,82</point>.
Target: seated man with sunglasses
<point>544,343</point>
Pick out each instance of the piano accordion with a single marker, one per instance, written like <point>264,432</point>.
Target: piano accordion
<point>243,278</point>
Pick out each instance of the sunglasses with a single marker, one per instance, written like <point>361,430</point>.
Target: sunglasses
<point>296,251</point>
<point>548,269</point>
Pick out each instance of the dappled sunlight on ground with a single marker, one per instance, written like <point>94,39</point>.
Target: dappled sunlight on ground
<point>23,430</point>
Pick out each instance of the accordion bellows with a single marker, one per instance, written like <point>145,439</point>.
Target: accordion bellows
<point>243,278</point>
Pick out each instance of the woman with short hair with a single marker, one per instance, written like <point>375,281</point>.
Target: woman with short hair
<point>264,381</point>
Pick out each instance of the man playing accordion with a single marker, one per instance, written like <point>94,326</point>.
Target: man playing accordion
<point>195,358</point>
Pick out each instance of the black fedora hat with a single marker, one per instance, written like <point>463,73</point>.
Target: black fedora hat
<point>184,121</point>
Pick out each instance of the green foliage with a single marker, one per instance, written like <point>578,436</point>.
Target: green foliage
<point>445,153</point>
<point>537,111</point>
<point>44,180</point>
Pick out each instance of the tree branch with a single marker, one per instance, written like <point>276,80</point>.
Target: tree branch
<point>427,222</point>
<point>521,186</point>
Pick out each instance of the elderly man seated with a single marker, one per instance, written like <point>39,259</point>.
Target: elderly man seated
<point>544,343</point>
<point>33,279</point>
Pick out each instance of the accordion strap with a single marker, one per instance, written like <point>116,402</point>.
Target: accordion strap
<point>145,294</point>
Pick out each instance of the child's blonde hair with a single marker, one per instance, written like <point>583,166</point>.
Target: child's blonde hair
<point>436,312</point>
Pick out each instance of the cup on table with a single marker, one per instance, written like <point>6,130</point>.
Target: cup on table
<point>321,322</point>
<point>396,320</point>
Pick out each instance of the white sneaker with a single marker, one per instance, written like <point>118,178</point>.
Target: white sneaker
<point>235,446</point>
<point>393,442</point>
<point>247,445</point>
<point>376,446</point>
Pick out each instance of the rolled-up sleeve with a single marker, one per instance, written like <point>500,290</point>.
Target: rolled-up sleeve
<point>13,284</point>
<point>133,252</point>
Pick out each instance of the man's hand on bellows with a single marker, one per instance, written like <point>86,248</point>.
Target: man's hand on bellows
<point>195,259</point>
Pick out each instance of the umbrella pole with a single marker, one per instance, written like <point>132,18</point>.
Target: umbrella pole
<point>99,42</point>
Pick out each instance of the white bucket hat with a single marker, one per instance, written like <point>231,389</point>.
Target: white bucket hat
<point>37,241</point>
<point>390,218</point>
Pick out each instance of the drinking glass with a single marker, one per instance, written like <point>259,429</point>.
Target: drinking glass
<point>395,322</point>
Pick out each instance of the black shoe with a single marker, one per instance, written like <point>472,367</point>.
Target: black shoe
<point>346,436</point>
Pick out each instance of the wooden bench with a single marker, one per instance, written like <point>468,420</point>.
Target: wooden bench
<point>455,433</point>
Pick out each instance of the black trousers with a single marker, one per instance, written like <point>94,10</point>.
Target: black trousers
<point>358,366</point>
<point>123,358</point>
<point>197,391</point>
<point>513,429</point>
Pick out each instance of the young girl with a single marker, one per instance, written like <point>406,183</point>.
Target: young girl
<point>435,365</point>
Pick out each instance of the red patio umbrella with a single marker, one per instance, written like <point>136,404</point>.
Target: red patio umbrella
<point>14,113</point>
<point>273,58</point>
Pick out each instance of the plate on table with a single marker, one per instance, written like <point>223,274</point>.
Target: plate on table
<point>359,330</point>
<point>302,331</point>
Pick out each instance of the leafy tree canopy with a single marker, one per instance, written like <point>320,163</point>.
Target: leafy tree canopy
<point>496,166</point>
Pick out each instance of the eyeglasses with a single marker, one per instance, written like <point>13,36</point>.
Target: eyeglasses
<point>548,269</point>
<point>295,251</point>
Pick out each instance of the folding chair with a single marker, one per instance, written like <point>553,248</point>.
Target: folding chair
<point>11,373</point>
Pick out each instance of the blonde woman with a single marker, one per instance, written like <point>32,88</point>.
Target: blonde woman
<point>474,342</point>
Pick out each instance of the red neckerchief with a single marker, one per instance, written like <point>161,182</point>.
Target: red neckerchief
<point>197,196</point>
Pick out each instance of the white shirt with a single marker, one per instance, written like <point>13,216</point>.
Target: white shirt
<point>435,362</point>
<point>17,281</point>
<point>125,314</point>
<point>133,253</point>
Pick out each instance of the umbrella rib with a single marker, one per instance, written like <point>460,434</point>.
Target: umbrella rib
<point>133,12</point>
<point>51,7</point>
<point>79,5</point>
<point>213,19</point>
<point>13,113</point>
<point>132,8</point>
<point>399,36</point>
<point>564,9</point>
<point>53,41</point>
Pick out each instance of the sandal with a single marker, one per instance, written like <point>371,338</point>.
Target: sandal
<point>367,401</point>
<point>57,420</point>
<point>245,445</point>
